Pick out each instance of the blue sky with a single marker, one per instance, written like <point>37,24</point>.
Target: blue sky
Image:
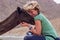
<point>57,1</point>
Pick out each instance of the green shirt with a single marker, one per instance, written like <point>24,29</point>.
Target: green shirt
<point>47,28</point>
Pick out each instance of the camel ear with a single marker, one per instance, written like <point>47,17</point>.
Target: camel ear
<point>19,10</point>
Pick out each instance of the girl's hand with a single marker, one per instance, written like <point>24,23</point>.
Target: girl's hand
<point>31,30</point>
<point>24,24</point>
<point>37,29</point>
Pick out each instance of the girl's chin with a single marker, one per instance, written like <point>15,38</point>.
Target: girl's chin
<point>34,15</point>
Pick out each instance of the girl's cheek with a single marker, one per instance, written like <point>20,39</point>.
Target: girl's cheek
<point>35,13</point>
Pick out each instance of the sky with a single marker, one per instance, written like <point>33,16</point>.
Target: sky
<point>57,1</point>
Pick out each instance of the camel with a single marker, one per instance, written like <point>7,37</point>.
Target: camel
<point>18,16</point>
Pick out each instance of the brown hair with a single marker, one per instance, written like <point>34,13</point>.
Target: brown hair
<point>37,10</point>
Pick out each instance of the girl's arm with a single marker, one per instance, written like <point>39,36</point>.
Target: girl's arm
<point>38,28</point>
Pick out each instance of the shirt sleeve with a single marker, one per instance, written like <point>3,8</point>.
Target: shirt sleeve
<point>37,17</point>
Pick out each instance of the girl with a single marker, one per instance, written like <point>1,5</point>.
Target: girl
<point>43,28</point>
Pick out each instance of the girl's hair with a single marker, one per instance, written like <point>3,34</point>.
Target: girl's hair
<point>38,10</point>
<point>32,5</point>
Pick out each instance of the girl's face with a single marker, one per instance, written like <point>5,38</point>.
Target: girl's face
<point>33,12</point>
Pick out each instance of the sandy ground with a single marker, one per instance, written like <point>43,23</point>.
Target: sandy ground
<point>49,8</point>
